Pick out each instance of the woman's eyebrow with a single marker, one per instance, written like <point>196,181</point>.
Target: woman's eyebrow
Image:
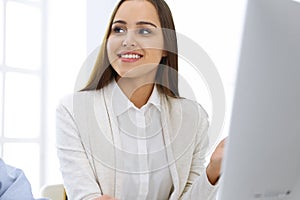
<point>146,23</point>
<point>138,23</point>
<point>119,21</point>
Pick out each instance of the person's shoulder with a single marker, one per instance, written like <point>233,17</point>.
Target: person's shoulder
<point>68,101</point>
<point>188,106</point>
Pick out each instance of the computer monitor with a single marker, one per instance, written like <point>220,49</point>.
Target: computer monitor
<point>262,157</point>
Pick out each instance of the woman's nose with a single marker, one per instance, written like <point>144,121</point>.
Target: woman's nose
<point>129,40</point>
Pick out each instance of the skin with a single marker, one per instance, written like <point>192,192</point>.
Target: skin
<point>136,29</point>
<point>213,169</point>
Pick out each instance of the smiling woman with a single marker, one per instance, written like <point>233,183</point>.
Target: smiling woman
<point>152,33</point>
<point>133,44</point>
<point>128,134</point>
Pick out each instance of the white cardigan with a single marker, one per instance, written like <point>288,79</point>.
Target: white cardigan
<point>86,149</point>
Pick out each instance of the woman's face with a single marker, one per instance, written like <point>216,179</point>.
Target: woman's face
<point>135,44</point>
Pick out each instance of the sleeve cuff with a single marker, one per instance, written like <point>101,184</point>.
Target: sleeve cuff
<point>203,189</point>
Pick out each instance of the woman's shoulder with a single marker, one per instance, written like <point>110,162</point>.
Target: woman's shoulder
<point>79,98</point>
<point>187,106</point>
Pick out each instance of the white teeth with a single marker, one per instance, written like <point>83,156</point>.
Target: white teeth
<point>135,56</point>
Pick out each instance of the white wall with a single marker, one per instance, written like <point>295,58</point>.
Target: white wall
<point>98,15</point>
<point>217,27</point>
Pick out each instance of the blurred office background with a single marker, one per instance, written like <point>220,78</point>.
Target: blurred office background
<point>43,45</point>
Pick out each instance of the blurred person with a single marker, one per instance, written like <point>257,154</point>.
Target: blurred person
<point>13,184</point>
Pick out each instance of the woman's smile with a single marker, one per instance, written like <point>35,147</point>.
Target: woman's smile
<point>130,56</point>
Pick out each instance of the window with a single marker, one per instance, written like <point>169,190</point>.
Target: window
<point>22,86</point>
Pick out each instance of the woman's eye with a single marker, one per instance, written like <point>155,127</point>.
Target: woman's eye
<point>118,30</point>
<point>144,31</point>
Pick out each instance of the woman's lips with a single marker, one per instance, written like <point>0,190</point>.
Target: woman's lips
<point>130,56</point>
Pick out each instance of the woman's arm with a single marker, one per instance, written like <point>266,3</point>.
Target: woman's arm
<point>213,170</point>
<point>77,172</point>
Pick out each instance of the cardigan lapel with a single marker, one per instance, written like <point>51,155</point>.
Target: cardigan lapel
<point>115,136</point>
<point>168,137</point>
<point>179,122</point>
<point>105,140</point>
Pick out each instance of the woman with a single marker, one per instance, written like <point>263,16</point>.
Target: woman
<point>128,134</point>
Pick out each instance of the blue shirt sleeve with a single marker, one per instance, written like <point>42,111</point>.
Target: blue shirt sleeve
<point>13,183</point>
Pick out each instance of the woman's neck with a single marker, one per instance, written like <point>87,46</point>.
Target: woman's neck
<point>138,91</point>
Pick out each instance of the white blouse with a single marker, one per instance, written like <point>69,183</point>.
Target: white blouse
<point>145,172</point>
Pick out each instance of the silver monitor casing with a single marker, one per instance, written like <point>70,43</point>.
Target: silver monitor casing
<point>262,158</point>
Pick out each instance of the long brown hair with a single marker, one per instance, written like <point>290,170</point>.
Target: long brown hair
<point>167,73</point>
